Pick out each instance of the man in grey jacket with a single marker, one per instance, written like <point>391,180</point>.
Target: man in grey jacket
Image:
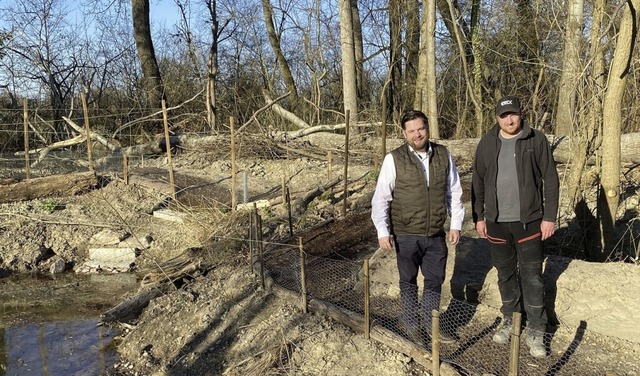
<point>515,193</point>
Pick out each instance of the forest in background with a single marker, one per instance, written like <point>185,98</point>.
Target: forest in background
<point>296,64</point>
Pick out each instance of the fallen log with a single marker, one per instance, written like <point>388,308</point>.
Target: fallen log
<point>56,185</point>
<point>129,309</point>
<point>154,284</point>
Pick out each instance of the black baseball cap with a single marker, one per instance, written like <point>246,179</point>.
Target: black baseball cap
<point>507,104</point>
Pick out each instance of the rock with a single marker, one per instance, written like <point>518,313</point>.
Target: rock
<point>58,265</point>
<point>169,215</point>
<point>109,237</point>
<point>136,242</point>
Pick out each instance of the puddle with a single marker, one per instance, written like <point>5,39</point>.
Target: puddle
<point>49,326</point>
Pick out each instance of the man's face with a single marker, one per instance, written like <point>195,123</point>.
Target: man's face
<point>416,134</point>
<point>510,123</point>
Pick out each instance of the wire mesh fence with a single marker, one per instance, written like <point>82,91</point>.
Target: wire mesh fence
<point>62,162</point>
<point>466,329</point>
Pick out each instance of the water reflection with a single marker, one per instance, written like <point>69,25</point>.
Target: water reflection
<point>57,348</point>
<point>49,326</point>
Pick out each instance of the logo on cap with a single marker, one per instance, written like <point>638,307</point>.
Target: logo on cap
<point>504,103</point>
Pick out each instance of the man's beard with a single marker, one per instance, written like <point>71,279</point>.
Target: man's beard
<point>417,147</point>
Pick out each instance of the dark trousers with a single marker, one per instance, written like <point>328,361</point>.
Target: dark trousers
<point>429,254</point>
<point>516,252</point>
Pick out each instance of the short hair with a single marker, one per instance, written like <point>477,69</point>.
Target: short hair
<point>412,115</point>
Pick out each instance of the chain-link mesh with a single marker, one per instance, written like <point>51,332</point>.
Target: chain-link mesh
<point>466,330</point>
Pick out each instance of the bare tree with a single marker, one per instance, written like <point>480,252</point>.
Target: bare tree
<point>44,53</point>
<point>212,66</point>
<point>349,90</point>
<point>586,139</point>
<point>358,48</point>
<point>612,122</point>
<point>426,91</point>
<point>274,40</point>
<point>566,109</point>
<point>144,45</point>
<point>471,92</point>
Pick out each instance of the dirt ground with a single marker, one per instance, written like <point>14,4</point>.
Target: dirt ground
<point>219,321</point>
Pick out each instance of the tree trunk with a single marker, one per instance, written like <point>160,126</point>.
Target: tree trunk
<point>349,87</point>
<point>469,81</point>
<point>477,65</point>
<point>274,40</point>
<point>566,109</point>
<point>212,67</point>
<point>144,45</point>
<point>429,40</point>
<point>56,185</point>
<point>612,124</point>
<point>411,13</point>
<point>586,139</point>
<point>358,48</point>
<point>395,59</point>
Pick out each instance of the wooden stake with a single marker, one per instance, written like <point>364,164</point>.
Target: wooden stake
<point>383,136</point>
<point>234,168</point>
<point>435,342</point>
<point>245,187</point>
<point>329,163</point>
<point>289,212</point>
<point>125,169</point>
<point>515,344</point>
<point>346,164</point>
<point>260,249</point>
<point>251,223</point>
<point>367,304</point>
<point>168,147</point>
<point>87,129</point>
<point>303,278</point>
<point>25,115</point>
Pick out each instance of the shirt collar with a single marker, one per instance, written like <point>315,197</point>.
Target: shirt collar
<point>416,153</point>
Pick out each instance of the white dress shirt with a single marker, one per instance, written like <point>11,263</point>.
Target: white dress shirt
<point>381,202</point>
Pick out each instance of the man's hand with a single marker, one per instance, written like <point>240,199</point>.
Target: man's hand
<point>481,228</point>
<point>454,236</point>
<point>547,228</point>
<point>386,243</point>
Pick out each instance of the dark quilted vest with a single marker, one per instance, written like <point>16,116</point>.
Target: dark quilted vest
<point>417,209</point>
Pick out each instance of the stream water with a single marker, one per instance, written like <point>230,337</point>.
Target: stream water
<point>49,325</point>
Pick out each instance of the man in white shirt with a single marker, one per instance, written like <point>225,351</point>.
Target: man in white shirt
<point>417,186</point>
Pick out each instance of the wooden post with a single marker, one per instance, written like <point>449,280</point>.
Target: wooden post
<point>234,168</point>
<point>168,147</point>
<point>87,129</point>
<point>289,213</point>
<point>383,136</point>
<point>303,278</point>
<point>25,115</point>
<point>367,305</point>
<point>329,163</point>
<point>435,342</point>
<point>515,344</point>
<point>346,164</point>
<point>251,232</point>
<point>260,249</point>
<point>125,169</point>
<point>245,187</point>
